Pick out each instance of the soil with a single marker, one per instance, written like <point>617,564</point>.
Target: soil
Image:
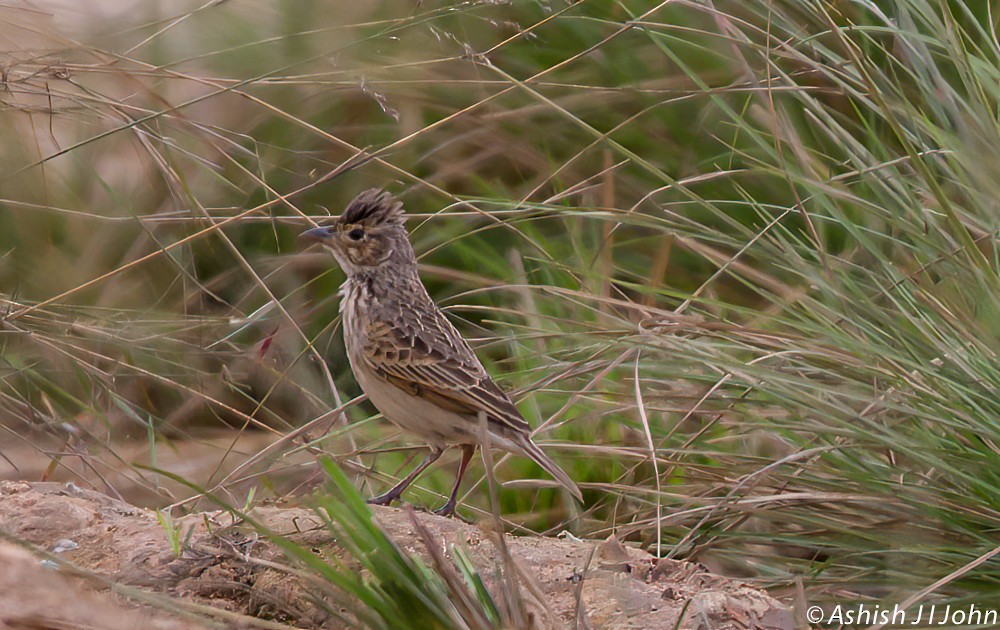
<point>75,558</point>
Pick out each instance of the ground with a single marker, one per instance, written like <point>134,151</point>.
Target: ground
<point>78,558</point>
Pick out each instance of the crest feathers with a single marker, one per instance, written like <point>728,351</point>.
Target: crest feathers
<point>374,208</point>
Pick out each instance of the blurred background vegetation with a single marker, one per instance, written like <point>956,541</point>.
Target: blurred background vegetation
<point>737,262</point>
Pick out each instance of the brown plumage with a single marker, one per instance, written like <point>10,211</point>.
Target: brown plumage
<point>411,361</point>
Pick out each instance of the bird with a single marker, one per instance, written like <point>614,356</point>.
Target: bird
<point>411,361</point>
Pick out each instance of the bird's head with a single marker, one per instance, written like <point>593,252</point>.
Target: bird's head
<point>368,235</point>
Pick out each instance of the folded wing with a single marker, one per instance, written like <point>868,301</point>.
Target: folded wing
<point>423,354</point>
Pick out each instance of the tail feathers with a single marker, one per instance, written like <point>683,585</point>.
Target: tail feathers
<point>539,457</point>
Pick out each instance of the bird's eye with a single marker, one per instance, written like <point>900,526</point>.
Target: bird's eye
<point>356,234</point>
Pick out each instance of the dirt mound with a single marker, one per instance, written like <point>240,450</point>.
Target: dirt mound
<point>211,566</point>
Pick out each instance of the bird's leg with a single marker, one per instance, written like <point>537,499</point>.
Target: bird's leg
<point>468,450</point>
<point>396,490</point>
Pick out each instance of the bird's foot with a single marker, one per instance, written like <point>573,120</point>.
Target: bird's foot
<point>445,510</point>
<point>383,499</point>
<point>448,509</point>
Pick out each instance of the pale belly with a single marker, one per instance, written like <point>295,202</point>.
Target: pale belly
<point>436,426</point>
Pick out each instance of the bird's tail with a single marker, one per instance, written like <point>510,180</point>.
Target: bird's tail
<point>536,454</point>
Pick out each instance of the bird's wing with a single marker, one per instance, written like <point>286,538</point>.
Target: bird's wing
<point>422,353</point>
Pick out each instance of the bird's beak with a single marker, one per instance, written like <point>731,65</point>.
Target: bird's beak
<point>319,234</point>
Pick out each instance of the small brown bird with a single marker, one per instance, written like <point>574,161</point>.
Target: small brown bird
<point>411,361</point>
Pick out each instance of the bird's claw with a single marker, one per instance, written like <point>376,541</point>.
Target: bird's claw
<point>448,509</point>
<point>383,499</point>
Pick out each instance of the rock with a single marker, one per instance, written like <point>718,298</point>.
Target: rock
<point>33,596</point>
<point>230,567</point>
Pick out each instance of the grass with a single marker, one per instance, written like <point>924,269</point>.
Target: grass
<point>757,239</point>
<point>393,589</point>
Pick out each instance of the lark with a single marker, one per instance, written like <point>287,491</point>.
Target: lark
<point>408,357</point>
